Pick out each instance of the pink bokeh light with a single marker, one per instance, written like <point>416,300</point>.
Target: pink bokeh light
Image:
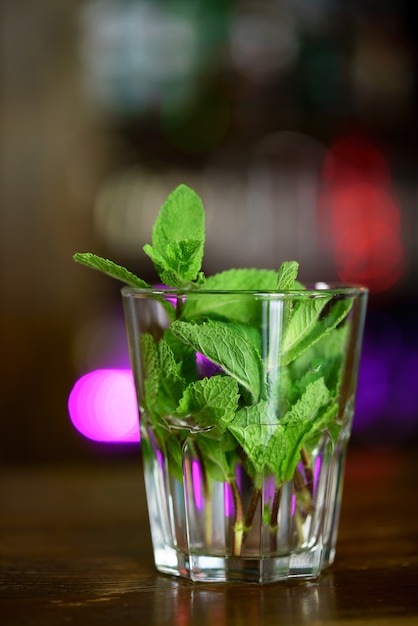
<point>102,406</point>
<point>197,484</point>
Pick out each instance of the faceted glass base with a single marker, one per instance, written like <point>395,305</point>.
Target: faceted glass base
<point>203,568</point>
<point>204,531</point>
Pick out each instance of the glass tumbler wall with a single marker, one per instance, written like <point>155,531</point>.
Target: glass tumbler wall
<point>246,402</point>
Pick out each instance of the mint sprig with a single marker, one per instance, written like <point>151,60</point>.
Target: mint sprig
<point>251,404</point>
<point>178,239</point>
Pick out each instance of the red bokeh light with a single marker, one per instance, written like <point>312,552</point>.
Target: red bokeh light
<point>353,158</point>
<point>359,216</point>
<point>370,255</point>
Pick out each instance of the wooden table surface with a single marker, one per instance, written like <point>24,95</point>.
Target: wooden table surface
<point>75,549</point>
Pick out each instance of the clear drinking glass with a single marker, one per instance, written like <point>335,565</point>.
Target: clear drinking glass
<point>246,402</point>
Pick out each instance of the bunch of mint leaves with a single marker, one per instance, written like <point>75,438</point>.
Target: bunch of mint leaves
<point>270,409</point>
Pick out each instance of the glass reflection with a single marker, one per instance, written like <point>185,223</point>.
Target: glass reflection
<point>181,603</point>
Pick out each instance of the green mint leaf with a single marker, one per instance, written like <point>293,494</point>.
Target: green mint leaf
<point>253,428</point>
<point>109,267</point>
<point>210,401</point>
<point>181,217</point>
<point>307,415</point>
<point>222,344</point>
<point>178,238</point>
<point>303,320</point>
<point>306,327</point>
<point>322,360</point>
<point>169,443</point>
<point>163,385</point>
<point>120,273</point>
<point>286,280</point>
<point>185,257</point>
<point>237,309</point>
<point>184,355</point>
<point>174,453</point>
<point>219,463</point>
<point>170,446</point>
<point>325,419</point>
<point>181,265</point>
<point>250,279</point>
<point>151,373</point>
<point>277,442</point>
<point>171,384</point>
<point>286,275</point>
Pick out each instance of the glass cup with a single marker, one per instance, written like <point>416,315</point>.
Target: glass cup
<point>246,401</point>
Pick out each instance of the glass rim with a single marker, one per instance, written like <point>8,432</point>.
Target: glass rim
<point>319,289</point>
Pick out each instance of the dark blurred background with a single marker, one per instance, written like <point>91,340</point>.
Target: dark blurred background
<point>295,120</point>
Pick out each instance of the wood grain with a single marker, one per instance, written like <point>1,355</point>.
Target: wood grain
<point>75,548</point>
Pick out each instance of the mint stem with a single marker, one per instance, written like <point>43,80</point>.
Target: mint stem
<point>238,528</point>
<point>179,307</point>
<point>249,517</point>
<point>308,471</point>
<point>274,518</point>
